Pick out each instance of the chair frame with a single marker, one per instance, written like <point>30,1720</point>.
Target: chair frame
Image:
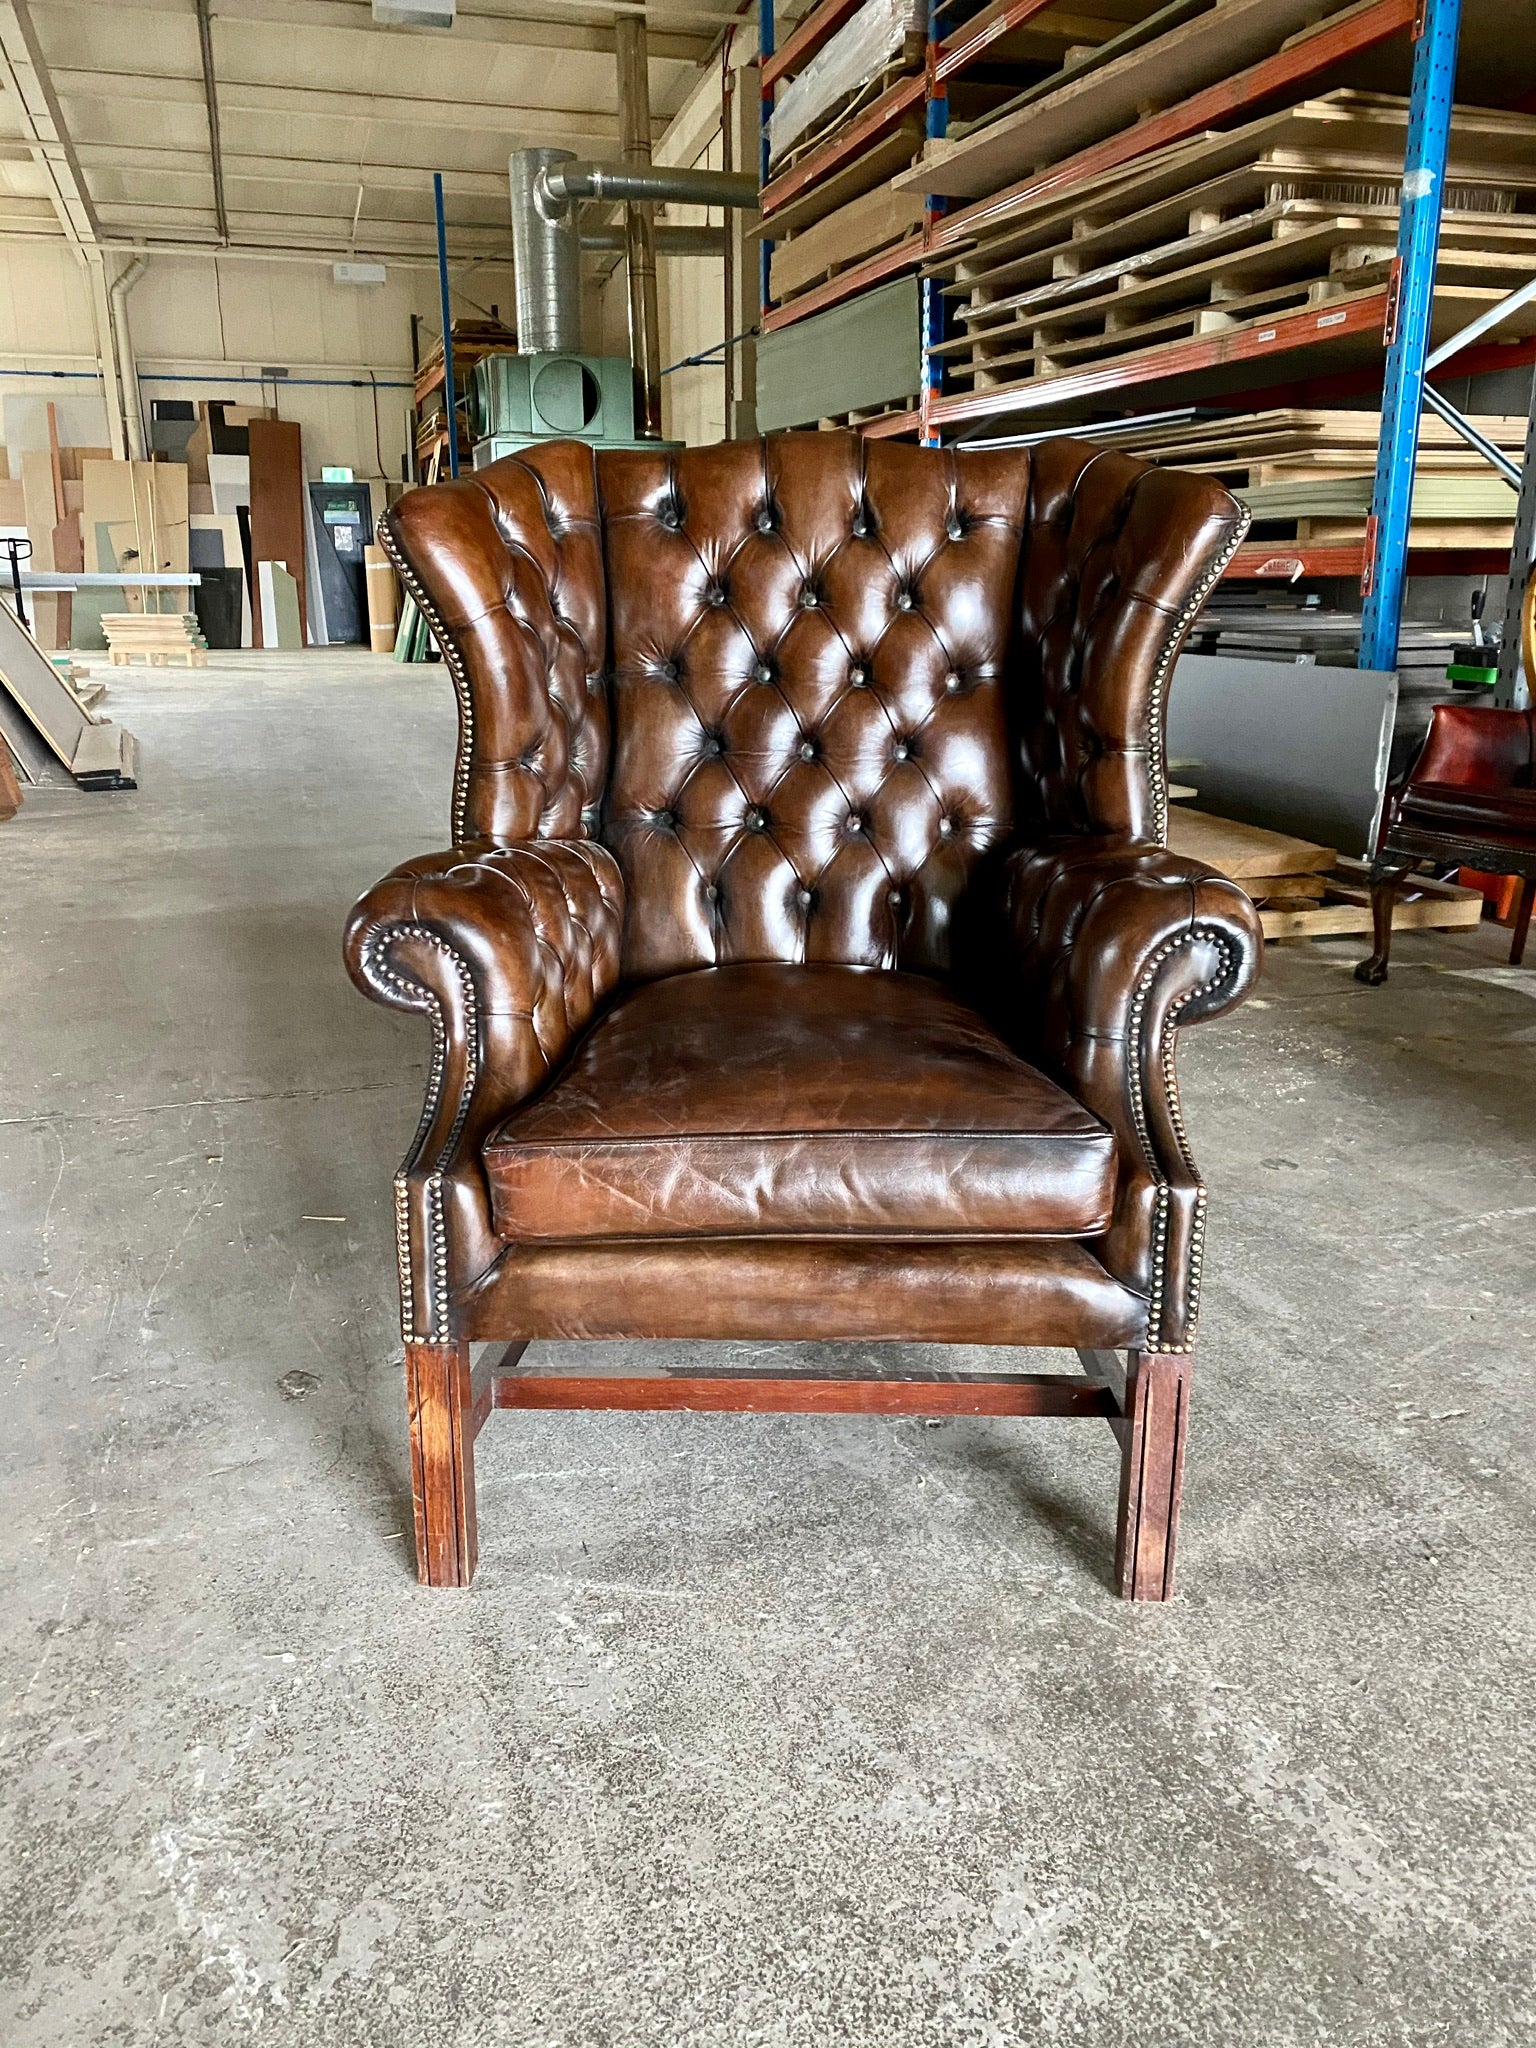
<point>1142,1395</point>
<point>1108,935</point>
<point>1402,850</point>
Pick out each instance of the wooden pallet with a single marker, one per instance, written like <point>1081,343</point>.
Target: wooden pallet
<point>1302,890</point>
<point>1424,905</point>
<point>1176,69</point>
<point>1345,145</point>
<point>156,638</point>
<point>1291,254</point>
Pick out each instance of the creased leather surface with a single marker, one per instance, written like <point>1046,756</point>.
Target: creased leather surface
<point>509,952</point>
<point>811,1100</point>
<point>1115,947</point>
<point>795,1289</point>
<point>1477,746</point>
<point>508,564</point>
<point>1506,816</point>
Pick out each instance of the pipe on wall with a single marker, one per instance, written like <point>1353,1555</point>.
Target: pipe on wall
<point>670,241</point>
<point>124,369</point>
<point>631,52</point>
<point>565,182</point>
<point>547,187</point>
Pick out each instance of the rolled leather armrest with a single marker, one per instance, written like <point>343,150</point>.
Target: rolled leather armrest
<point>1113,947</point>
<point>509,952</point>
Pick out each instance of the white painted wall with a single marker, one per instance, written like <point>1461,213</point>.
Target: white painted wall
<point>199,325</point>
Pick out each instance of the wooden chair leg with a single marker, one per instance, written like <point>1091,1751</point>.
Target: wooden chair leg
<point>1151,1472</point>
<point>1522,920</point>
<point>1385,883</point>
<point>440,1396</point>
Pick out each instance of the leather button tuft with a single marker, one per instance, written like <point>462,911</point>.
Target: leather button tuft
<point>904,600</point>
<point>901,750</point>
<point>858,676</point>
<point>762,672</point>
<point>954,526</point>
<point>809,598</point>
<point>765,521</point>
<point>805,898</point>
<point>714,597</point>
<point>946,828</point>
<point>894,898</point>
<point>664,821</point>
<point>757,821</point>
<point>808,749</point>
<point>668,671</point>
<point>669,516</point>
<point>855,822</point>
<point>952,683</point>
<point>712,744</point>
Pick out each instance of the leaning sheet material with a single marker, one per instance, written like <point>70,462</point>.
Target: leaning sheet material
<point>853,56</point>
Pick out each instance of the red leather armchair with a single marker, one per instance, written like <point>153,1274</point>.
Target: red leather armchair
<point>1469,798</point>
<point>807,963</point>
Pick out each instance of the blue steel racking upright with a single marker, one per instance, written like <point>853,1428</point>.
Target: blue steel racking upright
<point>1410,300</point>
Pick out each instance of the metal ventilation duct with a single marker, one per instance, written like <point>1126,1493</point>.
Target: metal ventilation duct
<point>546,255</point>
<point>546,186</point>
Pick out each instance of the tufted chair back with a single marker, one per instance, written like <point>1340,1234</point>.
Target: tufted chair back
<point>803,686</point>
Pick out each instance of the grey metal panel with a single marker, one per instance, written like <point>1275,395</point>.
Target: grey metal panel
<point>849,359</point>
<point>1295,747</point>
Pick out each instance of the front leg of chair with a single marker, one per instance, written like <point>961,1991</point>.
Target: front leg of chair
<point>1522,921</point>
<point>1152,1437</point>
<point>440,1401</point>
<point>1387,877</point>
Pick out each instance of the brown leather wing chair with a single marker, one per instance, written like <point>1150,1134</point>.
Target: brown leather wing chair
<point>807,962</point>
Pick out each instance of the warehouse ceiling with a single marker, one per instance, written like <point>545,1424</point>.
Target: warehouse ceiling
<point>329,127</point>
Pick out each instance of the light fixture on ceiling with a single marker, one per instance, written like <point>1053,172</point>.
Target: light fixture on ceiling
<point>358,273</point>
<point>413,13</point>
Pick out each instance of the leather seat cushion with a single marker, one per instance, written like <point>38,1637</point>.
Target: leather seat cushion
<point>1498,816</point>
<point>762,1100</point>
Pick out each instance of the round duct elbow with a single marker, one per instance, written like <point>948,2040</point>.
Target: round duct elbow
<point>546,254</point>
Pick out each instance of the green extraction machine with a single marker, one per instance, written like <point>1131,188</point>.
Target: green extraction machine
<point>516,401</point>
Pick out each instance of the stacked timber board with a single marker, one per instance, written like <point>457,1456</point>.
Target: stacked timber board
<point>1296,212</point>
<point>1302,891</point>
<point>154,637</point>
<point>1307,475</point>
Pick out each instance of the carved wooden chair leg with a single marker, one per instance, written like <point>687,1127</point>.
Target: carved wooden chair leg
<point>1522,920</point>
<point>1386,879</point>
<point>440,1396</point>
<point>1151,1472</point>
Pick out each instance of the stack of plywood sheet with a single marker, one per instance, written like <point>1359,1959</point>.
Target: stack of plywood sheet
<point>135,521</point>
<point>1302,890</point>
<point>1230,230</point>
<point>155,637</point>
<point>1308,475</point>
<point>1161,60</point>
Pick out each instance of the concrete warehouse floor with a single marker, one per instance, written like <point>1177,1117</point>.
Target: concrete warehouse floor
<point>751,1731</point>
